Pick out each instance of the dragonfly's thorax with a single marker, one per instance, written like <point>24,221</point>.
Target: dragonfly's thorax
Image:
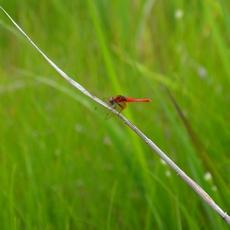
<point>117,99</point>
<point>118,102</point>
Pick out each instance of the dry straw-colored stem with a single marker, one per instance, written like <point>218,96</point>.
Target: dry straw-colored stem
<point>200,192</point>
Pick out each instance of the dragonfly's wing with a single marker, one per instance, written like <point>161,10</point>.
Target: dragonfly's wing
<point>121,106</point>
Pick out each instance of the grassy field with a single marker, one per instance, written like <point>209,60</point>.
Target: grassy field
<point>63,164</point>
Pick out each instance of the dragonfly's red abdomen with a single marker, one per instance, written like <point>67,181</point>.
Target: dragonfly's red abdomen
<point>130,99</point>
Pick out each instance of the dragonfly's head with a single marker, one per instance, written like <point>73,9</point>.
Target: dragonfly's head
<point>111,101</point>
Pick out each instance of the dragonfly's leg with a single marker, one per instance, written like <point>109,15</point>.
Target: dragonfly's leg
<point>118,107</point>
<point>109,114</point>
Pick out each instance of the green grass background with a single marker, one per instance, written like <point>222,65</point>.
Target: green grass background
<point>63,165</point>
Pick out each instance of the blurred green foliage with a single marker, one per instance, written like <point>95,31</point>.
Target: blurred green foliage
<point>63,165</point>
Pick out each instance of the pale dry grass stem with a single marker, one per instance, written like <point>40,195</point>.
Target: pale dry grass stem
<point>193,185</point>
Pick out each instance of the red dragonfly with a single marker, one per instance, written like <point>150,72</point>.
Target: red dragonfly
<point>120,102</point>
